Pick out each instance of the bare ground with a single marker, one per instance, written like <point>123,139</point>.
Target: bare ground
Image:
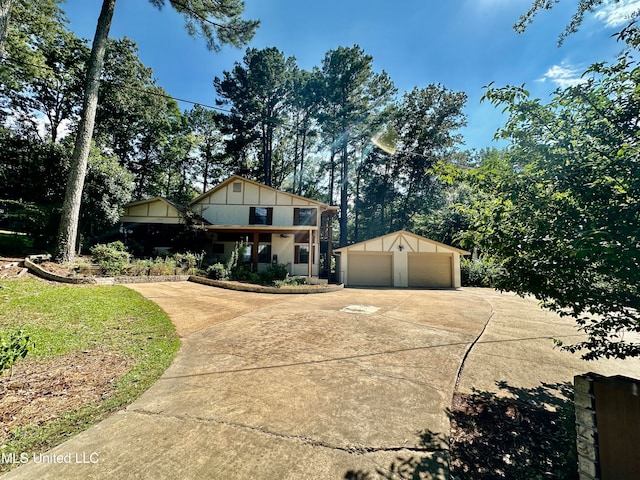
<point>38,391</point>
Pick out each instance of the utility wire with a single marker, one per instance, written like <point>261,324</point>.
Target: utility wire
<point>158,94</point>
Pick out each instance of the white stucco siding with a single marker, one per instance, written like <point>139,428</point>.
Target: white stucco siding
<point>283,248</point>
<point>230,204</point>
<point>415,261</point>
<point>152,211</point>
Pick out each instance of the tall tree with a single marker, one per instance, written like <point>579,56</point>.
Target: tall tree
<point>565,211</point>
<point>53,90</point>
<point>230,28</point>
<point>258,92</point>
<point>354,95</point>
<point>427,127</point>
<point>36,26</point>
<point>305,103</point>
<point>5,15</point>
<point>208,143</point>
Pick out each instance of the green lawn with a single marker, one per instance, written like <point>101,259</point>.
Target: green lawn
<point>15,244</point>
<point>65,319</point>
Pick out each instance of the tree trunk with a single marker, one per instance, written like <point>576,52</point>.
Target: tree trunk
<point>207,165</point>
<point>302,153</point>
<point>5,14</point>
<point>344,192</point>
<point>68,231</point>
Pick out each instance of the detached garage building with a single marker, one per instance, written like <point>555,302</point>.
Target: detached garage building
<point>400,259</point>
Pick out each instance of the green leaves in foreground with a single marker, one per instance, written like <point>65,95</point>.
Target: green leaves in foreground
<point>14,345</point>
<point>62,319</point>
<point>562,213</point>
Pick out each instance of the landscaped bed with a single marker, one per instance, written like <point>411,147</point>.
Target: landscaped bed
<point>96,350</point>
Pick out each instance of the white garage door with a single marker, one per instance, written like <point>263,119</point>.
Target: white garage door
<point>370,270</point>
<point>430,270</point>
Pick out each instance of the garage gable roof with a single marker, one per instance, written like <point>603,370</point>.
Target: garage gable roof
<point>401,239</point>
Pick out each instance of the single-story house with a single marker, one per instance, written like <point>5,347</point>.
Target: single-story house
<point>275,226</point>
<point>400,259</point>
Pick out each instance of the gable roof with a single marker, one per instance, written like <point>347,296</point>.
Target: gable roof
<point>235,178</point>
<point>409,240</point>
<point>154,199</point>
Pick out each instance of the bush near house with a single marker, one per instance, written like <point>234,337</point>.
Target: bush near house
<point>114,259</point>
<point>479,271</point>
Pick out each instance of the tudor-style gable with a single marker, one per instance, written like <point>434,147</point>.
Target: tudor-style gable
<point>402,240</point>
<point>153,210</point>
<point>239,201</point>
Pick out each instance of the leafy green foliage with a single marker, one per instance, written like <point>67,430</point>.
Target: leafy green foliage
<point>479,271</point>
<point>113,257</point>
<point>219,22</point>
<point>276,272</point>
<point>15,245</point>
<point>583,7</point>
<point>564,204</point>
<point>291,282</point>
<point>217,271</point>
<point>14,345</point>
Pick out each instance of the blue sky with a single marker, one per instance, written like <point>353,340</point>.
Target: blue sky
<point>461,44</point>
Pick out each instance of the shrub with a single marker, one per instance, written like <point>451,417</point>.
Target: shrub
<point>274,273</point>
<point>138,268</point>
<point>162,266</point>
<point>13,346</point>
<point>187,262</point>
<point>217,271</point>
<point>241,274</point>
<point>291,282</point>
<point>479,271</point>
<point>113,257</point>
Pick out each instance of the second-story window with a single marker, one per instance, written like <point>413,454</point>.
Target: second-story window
<point>304,216</point>
<point>261,216</point>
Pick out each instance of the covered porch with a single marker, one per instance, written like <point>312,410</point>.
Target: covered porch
<point>297,247</point>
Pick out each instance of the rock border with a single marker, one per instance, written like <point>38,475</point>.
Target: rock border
<point>41,272</point>
<point>249,287</point>
<point>30,263</point>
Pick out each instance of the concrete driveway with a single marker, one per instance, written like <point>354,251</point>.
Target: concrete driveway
<point>316,386</point>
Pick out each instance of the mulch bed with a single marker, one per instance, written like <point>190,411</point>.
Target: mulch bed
<point>37,391</point>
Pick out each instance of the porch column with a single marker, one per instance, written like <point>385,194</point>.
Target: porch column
<point>254,251</point>
<point>310,259</point>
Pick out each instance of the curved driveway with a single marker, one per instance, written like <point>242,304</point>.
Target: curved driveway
<point>316,386</point>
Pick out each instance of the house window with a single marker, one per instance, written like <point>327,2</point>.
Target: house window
<point>264,253</point>
<point>304,216</point>
<point>261,216</point>
<point>302,254</point>
<point>237,187</point>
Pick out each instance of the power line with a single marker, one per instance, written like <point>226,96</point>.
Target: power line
<point>158,94</point>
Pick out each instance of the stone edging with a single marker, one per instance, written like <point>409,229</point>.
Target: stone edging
<point>41,272</point>
<point>247,287</point>
<point>243,287</point>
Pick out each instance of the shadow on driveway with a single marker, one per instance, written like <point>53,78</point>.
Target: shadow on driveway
<point>517,433</point>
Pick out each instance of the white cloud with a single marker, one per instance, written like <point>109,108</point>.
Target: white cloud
<point>617,14</point>
<point>563,75</point>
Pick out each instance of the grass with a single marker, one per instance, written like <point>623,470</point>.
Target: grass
<point>65,319</point>
<point>14,244</point>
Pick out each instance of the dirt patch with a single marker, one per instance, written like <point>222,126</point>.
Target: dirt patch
<point>58,269</point>
<point>528,434</point>
<point>39,391</point>
<point>11,268</point>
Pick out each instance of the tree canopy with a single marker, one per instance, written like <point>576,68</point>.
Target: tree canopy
<point>564,204</point>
